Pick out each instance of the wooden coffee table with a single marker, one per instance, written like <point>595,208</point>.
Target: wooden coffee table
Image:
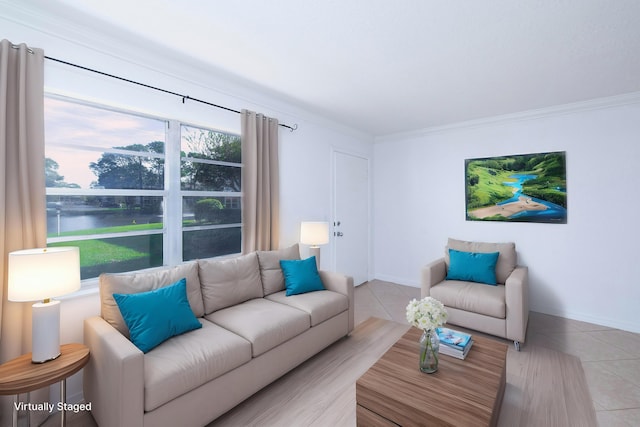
<point>461,393</point>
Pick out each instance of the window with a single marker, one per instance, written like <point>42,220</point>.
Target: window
<point>210,183</point>
<point>135,192</point>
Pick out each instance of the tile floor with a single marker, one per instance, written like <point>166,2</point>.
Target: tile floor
<point>610,357</point>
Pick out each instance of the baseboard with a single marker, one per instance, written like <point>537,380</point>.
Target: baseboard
<point>584,317</point>
<point>553,311</point>
<point>398,280</point>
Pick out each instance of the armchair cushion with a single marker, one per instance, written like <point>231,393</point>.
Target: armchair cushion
<point>472,297</point>
<point>473,266</point>
<point>507,259</point>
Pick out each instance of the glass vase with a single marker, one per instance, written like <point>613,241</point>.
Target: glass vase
<point>429,347</point>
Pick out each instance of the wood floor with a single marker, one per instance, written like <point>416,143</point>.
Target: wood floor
<point>546,388</point>
<point>320,392</point>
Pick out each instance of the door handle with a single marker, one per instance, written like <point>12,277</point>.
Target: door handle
<point>338,234</point>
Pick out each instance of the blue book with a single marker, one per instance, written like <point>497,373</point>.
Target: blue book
<point>452,338</point>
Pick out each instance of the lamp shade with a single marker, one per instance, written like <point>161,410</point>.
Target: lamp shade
<point>38,274</point>
<point>314,233</point>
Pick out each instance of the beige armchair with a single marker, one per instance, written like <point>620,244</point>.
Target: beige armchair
<point>501,310</point>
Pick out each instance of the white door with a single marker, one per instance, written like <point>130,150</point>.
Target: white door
<point>351,216</point>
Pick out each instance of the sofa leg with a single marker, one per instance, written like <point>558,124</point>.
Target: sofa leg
<point>517,344</point>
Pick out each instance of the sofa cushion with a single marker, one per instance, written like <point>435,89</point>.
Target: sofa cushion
<point>155,316</point>
<point>507,260</point>
<point>270,270</point>
<point>472,266</point>
<point>265,324</point>
<point>187,361</point>
<point>301,276</point>
<point>471,296</point>
<point>131,283</point>
<point>230,281</point>
<point>321,305</point>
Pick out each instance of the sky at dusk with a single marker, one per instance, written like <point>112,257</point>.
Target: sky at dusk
<point>72,128</point>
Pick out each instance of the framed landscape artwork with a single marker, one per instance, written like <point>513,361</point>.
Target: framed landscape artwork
<point>518,188</point>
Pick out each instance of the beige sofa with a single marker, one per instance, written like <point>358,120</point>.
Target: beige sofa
<point>501,310</point>
<point>251,335</point>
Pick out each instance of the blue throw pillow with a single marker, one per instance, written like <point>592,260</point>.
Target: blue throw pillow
<point>155,316</point>
<point>473,266</point>
<point>301,276</point>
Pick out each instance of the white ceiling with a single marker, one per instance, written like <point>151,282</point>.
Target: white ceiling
<point>385,66</point>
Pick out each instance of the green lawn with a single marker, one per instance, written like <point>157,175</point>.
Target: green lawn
<point>117,254</point>
<point>94,252</point>
<point>128,253</point>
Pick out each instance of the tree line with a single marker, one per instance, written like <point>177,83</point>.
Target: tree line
<point>120,170</point>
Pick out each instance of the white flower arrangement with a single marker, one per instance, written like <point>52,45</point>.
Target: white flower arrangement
<point>426,314</point>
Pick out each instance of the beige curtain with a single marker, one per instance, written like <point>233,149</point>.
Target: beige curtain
<point>260,183</point>
<point>23,222</point>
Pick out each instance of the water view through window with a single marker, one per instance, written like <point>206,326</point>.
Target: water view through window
<point>107,189</point>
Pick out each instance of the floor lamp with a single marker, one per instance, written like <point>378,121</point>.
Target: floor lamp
<point>41,274</point>
<point>314,233</point>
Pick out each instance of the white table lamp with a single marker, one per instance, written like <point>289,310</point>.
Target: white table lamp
<point>41,274</point>
<point>314,233</point>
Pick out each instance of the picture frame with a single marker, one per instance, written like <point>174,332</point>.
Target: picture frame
<point>517,188</point>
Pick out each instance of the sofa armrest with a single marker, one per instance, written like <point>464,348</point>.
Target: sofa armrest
<point>342,284</point>
<point>432,274</point>
<point>517,299</point>
<point>114,377</point>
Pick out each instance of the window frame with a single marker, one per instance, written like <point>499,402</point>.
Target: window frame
<point>172,194</point>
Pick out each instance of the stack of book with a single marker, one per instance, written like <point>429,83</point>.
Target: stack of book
<point>454,343</point>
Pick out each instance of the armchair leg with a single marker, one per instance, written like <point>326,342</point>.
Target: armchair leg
<point>517,344</point>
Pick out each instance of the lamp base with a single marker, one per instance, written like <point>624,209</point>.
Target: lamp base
<point>315,251</point>
<point>45,340</point>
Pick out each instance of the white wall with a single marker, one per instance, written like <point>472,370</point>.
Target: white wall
<point>305,155</point>
<point>587,269</point>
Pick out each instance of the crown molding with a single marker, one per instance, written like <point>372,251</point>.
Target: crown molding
<point>541,113</point>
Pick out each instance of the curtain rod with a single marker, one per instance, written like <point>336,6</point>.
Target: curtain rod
<point>184,97</point>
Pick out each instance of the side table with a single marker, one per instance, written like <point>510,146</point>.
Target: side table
<point>20,375</point>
